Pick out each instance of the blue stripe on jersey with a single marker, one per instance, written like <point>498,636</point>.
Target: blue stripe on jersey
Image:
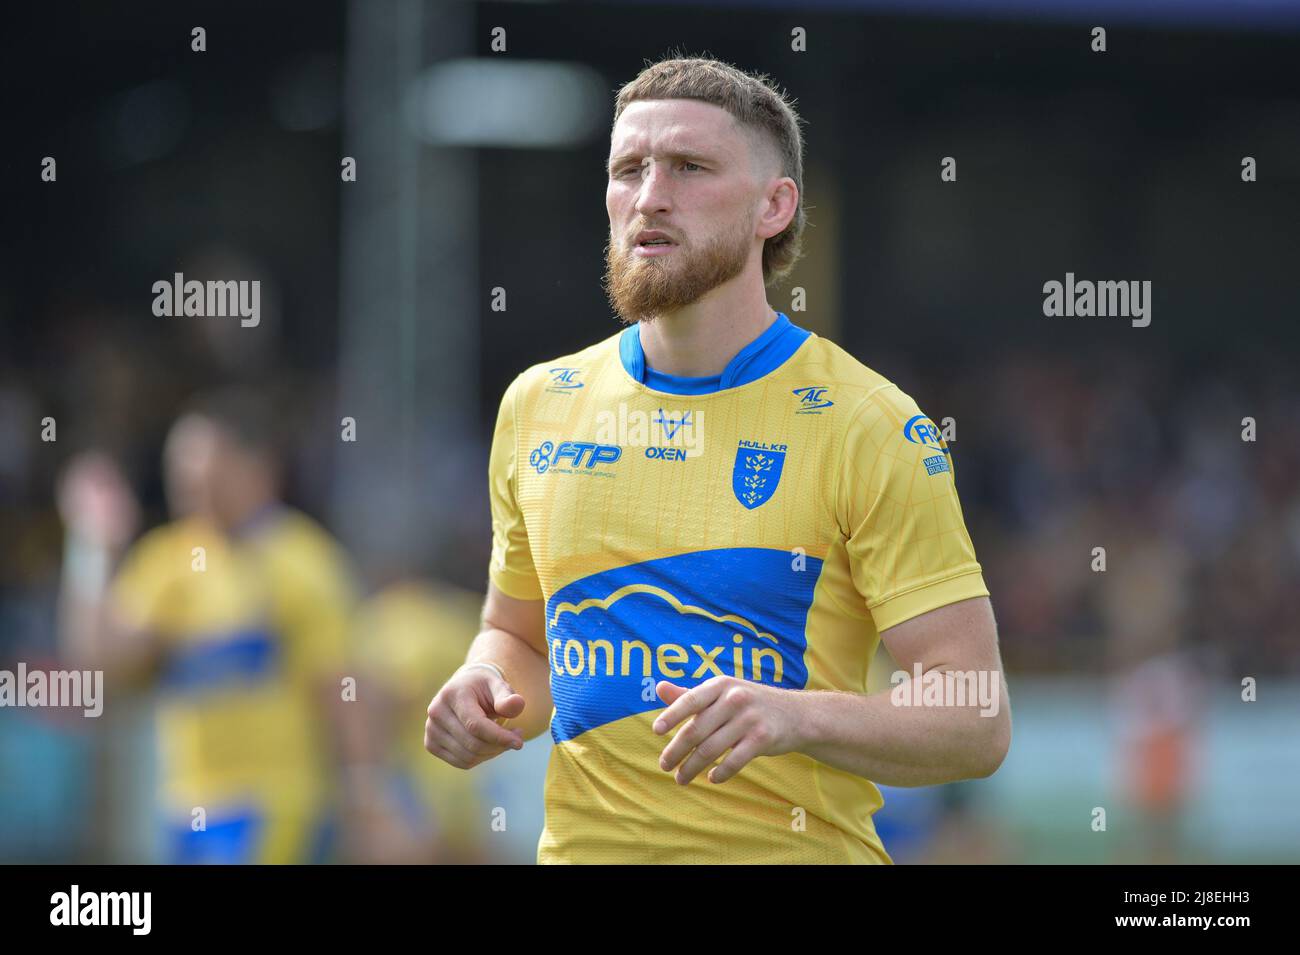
<point>764,354</point>
<point>238,837</point>
<point>732,612</point>
<point>230,839</point>
<point>240,658</point>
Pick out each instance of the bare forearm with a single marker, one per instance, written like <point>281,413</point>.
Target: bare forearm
<point>527,672</point>
<point>90,635</point>
<point>80,626</point>
<point>895,745</point>
<point>82,605</point>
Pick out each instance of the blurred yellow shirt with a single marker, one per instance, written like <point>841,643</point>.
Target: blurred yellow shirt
<point>254,628</point>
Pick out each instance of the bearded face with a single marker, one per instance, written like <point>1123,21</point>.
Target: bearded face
<point>643,281</point>
<point>685,198</point>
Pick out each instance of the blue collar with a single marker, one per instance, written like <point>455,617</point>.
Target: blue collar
<point>764,354</point>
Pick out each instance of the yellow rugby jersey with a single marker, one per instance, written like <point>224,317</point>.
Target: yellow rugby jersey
<point>248,640</point>
<point>765,523</point>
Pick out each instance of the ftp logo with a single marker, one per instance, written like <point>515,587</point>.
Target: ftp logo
<point>547,455</point>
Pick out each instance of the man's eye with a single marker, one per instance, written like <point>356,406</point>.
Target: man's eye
<point>639,170</point>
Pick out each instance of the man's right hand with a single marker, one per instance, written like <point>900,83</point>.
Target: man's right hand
<point>462,728</point>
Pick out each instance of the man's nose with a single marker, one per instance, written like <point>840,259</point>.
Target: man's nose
<point>656,190</point>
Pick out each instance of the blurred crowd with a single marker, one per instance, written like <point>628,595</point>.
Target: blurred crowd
<point>1197,508</point>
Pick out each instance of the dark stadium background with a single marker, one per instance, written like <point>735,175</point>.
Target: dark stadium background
<point>1072,433</point>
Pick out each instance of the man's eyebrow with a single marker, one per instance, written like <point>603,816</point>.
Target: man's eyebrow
<point>691,155</point>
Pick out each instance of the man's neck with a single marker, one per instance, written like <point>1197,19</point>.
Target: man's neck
<point>251,513</point>
<point>698,342</point>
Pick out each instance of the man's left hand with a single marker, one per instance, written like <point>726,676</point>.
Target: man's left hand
<point>750,719</point>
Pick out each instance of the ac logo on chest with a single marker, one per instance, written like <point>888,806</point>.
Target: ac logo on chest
<point>757,472</point>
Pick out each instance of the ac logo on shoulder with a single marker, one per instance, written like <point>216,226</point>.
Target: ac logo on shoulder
<point>812,399</point>
<point>564,379</point>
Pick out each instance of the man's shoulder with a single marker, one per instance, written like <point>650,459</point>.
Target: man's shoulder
<point>296,542</point>
<point>878,418</point>
<point>291,527</point>
<point>173,542</point>
<point>833,374</point>
<point>570,373</point>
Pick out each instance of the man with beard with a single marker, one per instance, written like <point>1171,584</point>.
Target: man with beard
<point>736,561</point>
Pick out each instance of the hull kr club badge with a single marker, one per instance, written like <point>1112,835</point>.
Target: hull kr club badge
<point>757,472</point>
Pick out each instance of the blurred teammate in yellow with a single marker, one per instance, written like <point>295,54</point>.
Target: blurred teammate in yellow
<point>412,636</point>
<point>238,612</point>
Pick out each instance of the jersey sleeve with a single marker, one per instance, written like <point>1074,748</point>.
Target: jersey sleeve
<point>318,599</point>
<point>511,567</point>
<point>142,589</point>
<point>909,551</point>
